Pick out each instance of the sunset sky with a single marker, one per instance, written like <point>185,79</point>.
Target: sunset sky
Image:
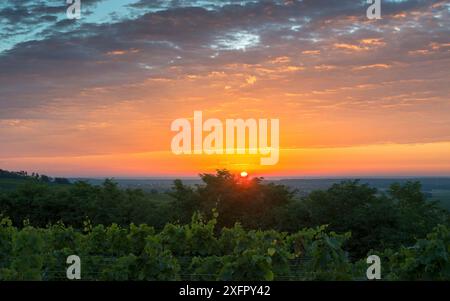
<point>96,96</point>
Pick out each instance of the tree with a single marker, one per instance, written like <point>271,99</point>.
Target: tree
<point>417,215</point>
<point>248,201</point>
<point>351,206</point>
<point>62,181</point>
<point>185,201</point>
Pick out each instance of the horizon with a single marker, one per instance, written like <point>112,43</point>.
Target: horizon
<point>250,174</point>
<point>281,177</point>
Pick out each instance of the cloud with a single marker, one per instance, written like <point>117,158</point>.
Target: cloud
<point>157,53</point>
<point>251,80</point>
<point>373,66</point>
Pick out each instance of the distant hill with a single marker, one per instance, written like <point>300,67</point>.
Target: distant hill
<point>434,188</point>
<point>428,184</point>
<point>10,180</point>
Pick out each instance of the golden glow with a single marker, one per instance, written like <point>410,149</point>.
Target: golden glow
<point>244,174</point>
<point>387,159</point>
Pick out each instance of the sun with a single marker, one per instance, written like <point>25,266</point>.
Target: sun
<point>244,174</point>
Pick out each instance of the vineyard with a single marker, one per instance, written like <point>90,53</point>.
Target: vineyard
<point>201,251</point>
<point>226,228</point>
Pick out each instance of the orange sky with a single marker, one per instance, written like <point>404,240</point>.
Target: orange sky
<point>354,97</point>
<point>372,160</point>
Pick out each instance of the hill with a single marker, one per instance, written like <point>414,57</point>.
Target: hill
<point>10,180</point>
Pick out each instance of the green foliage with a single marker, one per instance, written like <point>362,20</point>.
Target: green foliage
<point>247,201</point>
<point>199,251</point>
<point>328,260</point>
<point>6,234</point>
<point>157,263</point>
<point>413,206</point>
<point>228,228</point>
<point>376,221</point>
<point>27,259</point>
<point>427,259</point>
<point>72,205</point>
<point>11,180</point>
<point>195,251</point>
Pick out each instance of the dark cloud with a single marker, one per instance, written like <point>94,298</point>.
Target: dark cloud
<point>74,55</point>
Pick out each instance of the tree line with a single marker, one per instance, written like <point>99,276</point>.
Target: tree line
<point>376,220</point>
